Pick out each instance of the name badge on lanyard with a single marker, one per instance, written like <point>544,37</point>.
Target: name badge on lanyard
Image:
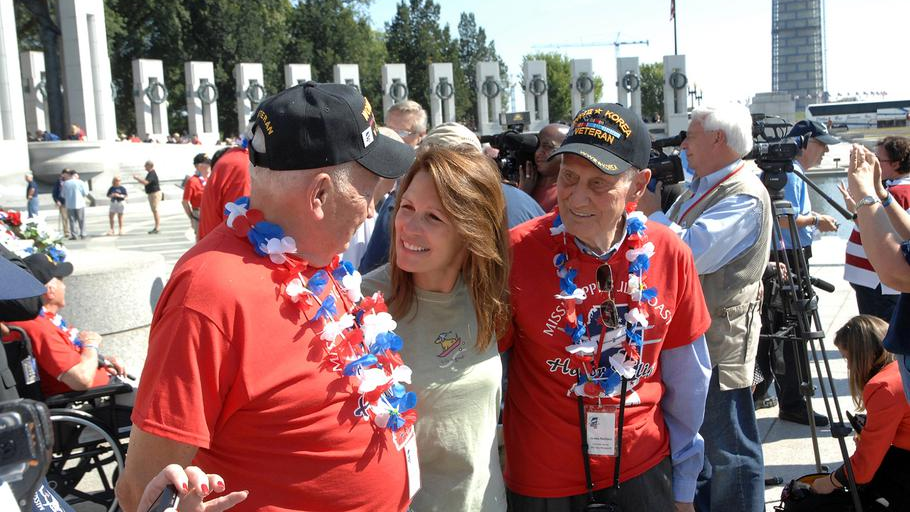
<point>601,429</point>
<point>406,440</point>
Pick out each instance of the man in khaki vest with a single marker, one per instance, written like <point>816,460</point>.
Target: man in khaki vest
<point>725,218</point>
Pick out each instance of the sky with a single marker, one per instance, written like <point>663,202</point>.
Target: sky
<point>727,43</point>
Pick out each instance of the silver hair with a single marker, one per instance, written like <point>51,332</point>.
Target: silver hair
<point>412,107</point>
<point>261,177</point>
<point>731,118</point>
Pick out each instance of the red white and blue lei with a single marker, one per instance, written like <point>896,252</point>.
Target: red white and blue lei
<point>625,342</point>
<point>359,341</point>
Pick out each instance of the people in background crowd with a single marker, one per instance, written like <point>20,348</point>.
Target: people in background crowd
<point>153,192</point>
<point>74,193</point>
<point>117,194</point>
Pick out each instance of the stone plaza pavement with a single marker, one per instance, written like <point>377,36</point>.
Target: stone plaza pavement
<point>787,446</point>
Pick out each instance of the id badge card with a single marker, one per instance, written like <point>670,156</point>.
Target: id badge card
<point>601,429</point>
<point>406,440</point>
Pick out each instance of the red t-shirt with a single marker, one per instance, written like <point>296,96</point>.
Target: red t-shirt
<point>192,191</point>
<point>230,179</point>
<point>542,435</point>
<point>235,371</point>
<point>55,355</point>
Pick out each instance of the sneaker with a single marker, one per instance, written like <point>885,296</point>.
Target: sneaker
<point>766,402</point>
<point>72,237</point>
<point>802,417</point>
<point>153,232</point>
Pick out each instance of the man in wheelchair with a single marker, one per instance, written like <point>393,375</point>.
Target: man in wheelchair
<point>67,358</point>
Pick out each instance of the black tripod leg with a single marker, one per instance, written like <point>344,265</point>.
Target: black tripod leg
<point>801,360</point>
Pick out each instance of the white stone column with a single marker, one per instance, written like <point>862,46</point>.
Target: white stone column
<point>489,98</point>
<point>87,68</point>
<point>394,85</point>
<point>249,90</point>
<point>201,101</point>
<point>536,95</point>
<point>150,99</point>
<point>676,94</point>
<point>346,74</point>
<point>296,74</point>
<point>628,83</point>
<point>13,137</point>
<point>582,83</point>
<point>442,93</point>
<point>35,91</point>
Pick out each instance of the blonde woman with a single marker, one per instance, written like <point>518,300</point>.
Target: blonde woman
<point>446,283</point>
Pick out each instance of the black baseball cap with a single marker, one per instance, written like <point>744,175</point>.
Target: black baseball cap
<point>44,268</point>
<point>17,283</point>
<point>814,130</point>
<point>315,125</point>
<point>201,158</point>
<point>610,136</point>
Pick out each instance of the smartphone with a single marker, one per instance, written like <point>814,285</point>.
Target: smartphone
<point>167,499</point>
<point>858,422</point>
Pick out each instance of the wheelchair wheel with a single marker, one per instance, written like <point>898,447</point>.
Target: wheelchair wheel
<point>86,461</point>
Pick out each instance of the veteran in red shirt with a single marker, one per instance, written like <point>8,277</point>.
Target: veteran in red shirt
<point>606,306</point>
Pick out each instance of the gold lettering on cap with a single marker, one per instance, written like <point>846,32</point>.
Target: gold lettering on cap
<point>367,110</point>
<point>265,122</point>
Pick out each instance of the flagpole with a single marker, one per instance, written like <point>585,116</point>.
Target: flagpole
<point>675,50</point>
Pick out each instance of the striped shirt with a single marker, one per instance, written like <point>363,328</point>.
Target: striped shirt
<point>857,269</point>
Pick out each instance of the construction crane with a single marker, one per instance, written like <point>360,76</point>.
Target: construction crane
<point>615,44</point>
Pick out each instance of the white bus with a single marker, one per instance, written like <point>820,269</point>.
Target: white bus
<point>861,114</point>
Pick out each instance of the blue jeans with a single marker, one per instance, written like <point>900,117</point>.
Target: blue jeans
<point>733,475</point>
<point>33,207</point>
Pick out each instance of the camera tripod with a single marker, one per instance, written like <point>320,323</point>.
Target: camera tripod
<point>802,325</point>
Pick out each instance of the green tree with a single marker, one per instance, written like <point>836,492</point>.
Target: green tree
<point>559,78</point>
<point>328,32</point>
<point>415,38</point>
<point>473,48</point>
<point>652,90</point>
<point>37,30</point>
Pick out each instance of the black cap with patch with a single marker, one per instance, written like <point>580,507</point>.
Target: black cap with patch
<point>44,268</point>
<point>315,125</point>
<point>814,130</point>
<point>610,136</point>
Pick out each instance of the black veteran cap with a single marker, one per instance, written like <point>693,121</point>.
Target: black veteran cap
<point>44,268</point>
<point>315,125</point>
<point>610,136</point>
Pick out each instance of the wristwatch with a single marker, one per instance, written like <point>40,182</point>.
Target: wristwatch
<point>867,201</point>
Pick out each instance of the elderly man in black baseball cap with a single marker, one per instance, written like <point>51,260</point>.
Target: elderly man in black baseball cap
<point>606,309</point>
<point>243,374</point>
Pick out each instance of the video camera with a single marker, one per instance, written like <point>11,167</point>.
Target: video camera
<point>773,151</point>
<point>667,169</point>
<point>515,150</point>
<point>26,439</point>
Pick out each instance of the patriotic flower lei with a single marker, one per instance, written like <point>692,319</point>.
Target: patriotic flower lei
<point>359,343</point>
<point>71,332</point>
<point>594,380</point>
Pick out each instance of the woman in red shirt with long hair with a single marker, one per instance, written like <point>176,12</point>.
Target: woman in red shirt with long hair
<point>881,462</point>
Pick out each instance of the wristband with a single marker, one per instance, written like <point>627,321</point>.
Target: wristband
<point>886,202</point>
<point>90,346</point>
<point>815,221</point>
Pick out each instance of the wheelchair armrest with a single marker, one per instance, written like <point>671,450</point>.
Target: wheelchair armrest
<point>111,389</point>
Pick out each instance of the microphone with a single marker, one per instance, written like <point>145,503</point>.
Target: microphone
<point>821,284</point>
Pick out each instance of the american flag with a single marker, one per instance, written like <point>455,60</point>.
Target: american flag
<point>672,9</point>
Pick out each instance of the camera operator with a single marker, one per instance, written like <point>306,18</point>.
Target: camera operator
<point>786,380</point>
<point>539,179</point>
<point>725,218</point>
